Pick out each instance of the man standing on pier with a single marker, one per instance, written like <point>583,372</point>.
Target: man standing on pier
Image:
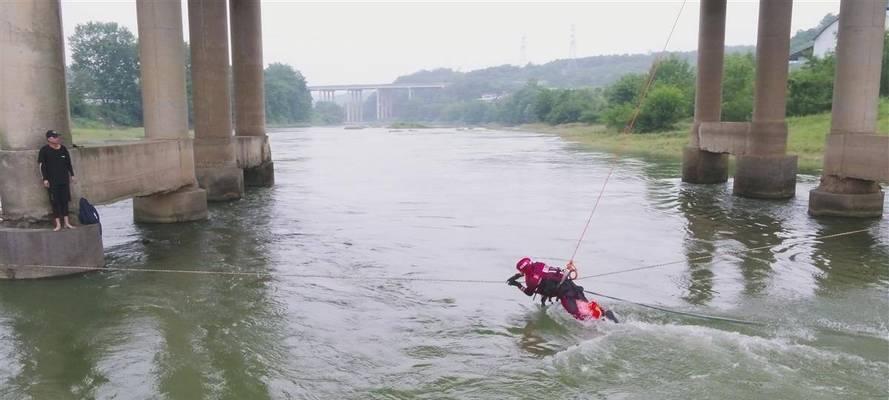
<point>58,173</point>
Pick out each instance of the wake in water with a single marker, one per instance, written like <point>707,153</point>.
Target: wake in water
<point>693,361</point>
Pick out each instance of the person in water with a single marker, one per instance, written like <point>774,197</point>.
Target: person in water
<point>550,282</point>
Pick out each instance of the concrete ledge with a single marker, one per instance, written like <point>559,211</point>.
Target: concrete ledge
<point>105,174</point>
<point>252,151</point>
<point>186,204</point>
<point>765,177</point>
<point>824,203</point>
<point>859,156</point>
<point>42,253</point>
<point>703,167</point>
<point>724,137</point>
<point>114,172</point>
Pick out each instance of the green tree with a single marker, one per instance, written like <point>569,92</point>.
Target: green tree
<point>626,90</point>
<point>617,116</point>
<point>543,104</point>
<point>811,87</point>
<point>327,113</point>
<point>677,72</point>
<point>287,99</point>
<point>520,107</point>
<point>662,108</point>
<point>578,105</point>
<point>737,87</point>
<point>105,73</point>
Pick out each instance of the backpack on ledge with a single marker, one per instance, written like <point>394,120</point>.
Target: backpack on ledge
<point>88,214</point>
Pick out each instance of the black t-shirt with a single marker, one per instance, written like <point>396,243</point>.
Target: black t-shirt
<point>55,165</point>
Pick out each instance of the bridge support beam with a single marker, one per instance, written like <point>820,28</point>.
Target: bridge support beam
<point>765,171</point>
<point>216,168</point>
<point>843,192</point>
<point>249,92</point>
<point>164,107</point>
<point>699,166</point>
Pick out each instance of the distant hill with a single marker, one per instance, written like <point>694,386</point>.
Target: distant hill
<point>596,71</point>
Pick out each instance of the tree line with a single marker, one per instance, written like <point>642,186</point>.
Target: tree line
<point>669,99</point>
<point>104,81</point>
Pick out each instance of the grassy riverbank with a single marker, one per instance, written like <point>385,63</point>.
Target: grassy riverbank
<point>85,130</point>
<point>807,138</point>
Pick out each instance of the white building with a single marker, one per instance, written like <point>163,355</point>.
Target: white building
<point>826,40</point>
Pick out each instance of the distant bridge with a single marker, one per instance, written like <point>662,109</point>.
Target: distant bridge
<point>354,109</point>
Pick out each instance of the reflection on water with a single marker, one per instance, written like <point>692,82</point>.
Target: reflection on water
<point>445,204</point>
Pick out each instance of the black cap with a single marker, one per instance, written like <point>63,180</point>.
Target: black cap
<point>51,133</point>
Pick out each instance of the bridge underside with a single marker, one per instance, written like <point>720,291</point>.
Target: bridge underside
<point>169,175</point>
<point>855,160</point>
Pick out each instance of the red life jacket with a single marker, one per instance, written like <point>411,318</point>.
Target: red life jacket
<point>537,273</point>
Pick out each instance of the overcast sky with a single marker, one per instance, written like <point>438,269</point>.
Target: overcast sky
<point>364,42</point>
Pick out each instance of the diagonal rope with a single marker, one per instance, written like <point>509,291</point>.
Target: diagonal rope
<point>628,128</point>
<point>671,311</point>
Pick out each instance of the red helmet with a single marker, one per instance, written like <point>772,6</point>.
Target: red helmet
<point>522,264</point>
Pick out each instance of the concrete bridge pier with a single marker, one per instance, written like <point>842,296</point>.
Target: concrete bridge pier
<point>354,106</point>
<point>33,99</point>
<point>700,166</point>
<point>254,154</point>
<point>855,159</point>
<point>348,106</point>
<point>164,109</point>
<point>764,170</point>
<point>359,102</point>
<point>216,166</point>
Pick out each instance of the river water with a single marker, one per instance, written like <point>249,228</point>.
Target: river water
<point>363,205</point>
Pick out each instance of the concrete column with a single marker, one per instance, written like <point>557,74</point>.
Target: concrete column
<point>359,97</point>
<point>348,106</point>
<point>765,171</point>
<point>162,57</point>
<point>700,166</point>
<point>353,110</point>
<point>410,94</point>
<point>855,100</point>
<point>33,99</point>
<point>379,103</point>
<point>216,167</point>
<point>247,67</point>
<point>384,96</point>
<point>249,86</point>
